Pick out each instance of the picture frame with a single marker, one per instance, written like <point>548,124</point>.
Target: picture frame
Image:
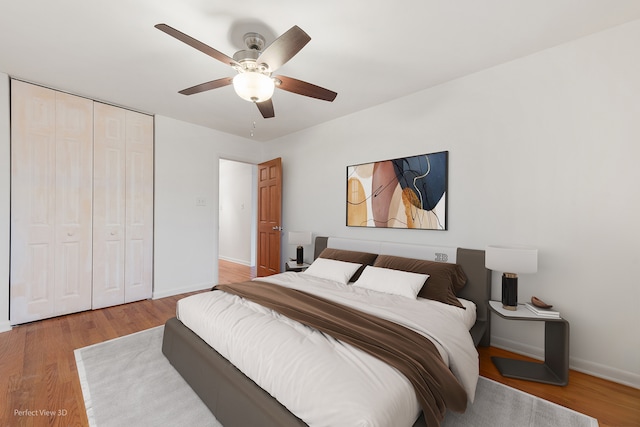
<point>407,192</point>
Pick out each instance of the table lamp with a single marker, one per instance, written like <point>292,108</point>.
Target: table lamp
<point>511,260</point>
<point>300,238</point>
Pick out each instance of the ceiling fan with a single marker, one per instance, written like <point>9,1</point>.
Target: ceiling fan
<point>255,65</point>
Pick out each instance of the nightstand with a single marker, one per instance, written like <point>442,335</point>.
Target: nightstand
<point>555,369</point>
<point>294,266</point>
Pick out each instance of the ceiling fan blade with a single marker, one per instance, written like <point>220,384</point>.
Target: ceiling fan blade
<point>197,44</point>
<point>303,88</point>
<point>214,84</point>
<point>266,108</point>
<point>283,48</point>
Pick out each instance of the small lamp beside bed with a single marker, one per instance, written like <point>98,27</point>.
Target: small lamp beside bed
<point>511,260</point>
<point>300,238</point>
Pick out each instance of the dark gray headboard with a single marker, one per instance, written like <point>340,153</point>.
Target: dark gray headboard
<point>477,289</point>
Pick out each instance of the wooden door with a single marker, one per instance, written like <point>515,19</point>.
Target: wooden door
<point>109,205</point>
<point>269,217</point>
<point>139,207</point>
<point>51,171</point>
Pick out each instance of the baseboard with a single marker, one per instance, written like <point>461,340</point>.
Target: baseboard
<point>591,368</point>
<point>606,372</point>
<point>235,261</point>
<point>183,290</point>
<point>5,326</point>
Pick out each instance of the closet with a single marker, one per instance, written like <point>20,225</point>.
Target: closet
<point>81,205</point>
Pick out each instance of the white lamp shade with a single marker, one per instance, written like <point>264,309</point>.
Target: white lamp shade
<point>253,86</point>
<point>511,259</point>
<point>299,238</point>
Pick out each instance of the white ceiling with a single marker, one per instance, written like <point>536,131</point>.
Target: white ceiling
<point>369,51</point>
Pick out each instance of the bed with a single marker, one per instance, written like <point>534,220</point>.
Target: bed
<point>236,400</point>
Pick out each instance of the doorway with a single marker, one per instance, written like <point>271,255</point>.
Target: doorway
<point>237,227</point>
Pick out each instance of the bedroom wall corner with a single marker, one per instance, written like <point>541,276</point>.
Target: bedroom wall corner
<point>186,230</point>
<point>5,198</point>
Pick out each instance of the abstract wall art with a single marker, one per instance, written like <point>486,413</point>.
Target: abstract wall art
<point>409,192</point>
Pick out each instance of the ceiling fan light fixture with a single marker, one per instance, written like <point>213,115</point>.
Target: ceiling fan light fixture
<point>253,86</point>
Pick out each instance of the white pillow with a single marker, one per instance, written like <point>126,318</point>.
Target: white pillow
<point>331,269</point>
<point>390,281</point>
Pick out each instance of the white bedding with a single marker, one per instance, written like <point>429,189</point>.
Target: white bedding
<point>319,379</point>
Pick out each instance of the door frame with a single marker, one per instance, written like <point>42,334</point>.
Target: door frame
<point>253,207</point>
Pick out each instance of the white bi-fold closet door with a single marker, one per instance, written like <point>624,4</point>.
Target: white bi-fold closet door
<point>51,209</point>
<point>123,206</point>
<point>81,204</point>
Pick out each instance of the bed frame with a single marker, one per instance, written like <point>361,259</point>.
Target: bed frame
<point>235,400</point>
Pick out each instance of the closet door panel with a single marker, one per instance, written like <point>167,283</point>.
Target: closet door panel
<point>32,202</point>
<point>74,174</point>
<point>139,207</point>
<point>109,206</point>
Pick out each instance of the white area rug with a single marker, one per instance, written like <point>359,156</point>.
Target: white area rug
<point>128,382</point>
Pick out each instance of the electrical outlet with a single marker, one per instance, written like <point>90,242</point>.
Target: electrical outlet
<point>201,201</point>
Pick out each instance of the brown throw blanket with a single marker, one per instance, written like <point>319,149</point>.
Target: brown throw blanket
<point>411,353</point>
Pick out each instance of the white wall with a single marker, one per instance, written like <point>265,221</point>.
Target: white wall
<point>237,207</point>
<point>186,235</point>
<point>5,194</point>
<point>542,151</point>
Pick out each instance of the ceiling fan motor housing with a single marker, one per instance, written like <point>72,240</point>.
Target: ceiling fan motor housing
<point>247,57</point>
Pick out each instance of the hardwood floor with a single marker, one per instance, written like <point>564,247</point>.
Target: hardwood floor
<point>37,363</point>
<point>38,370</point>
<point>230,272</point>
